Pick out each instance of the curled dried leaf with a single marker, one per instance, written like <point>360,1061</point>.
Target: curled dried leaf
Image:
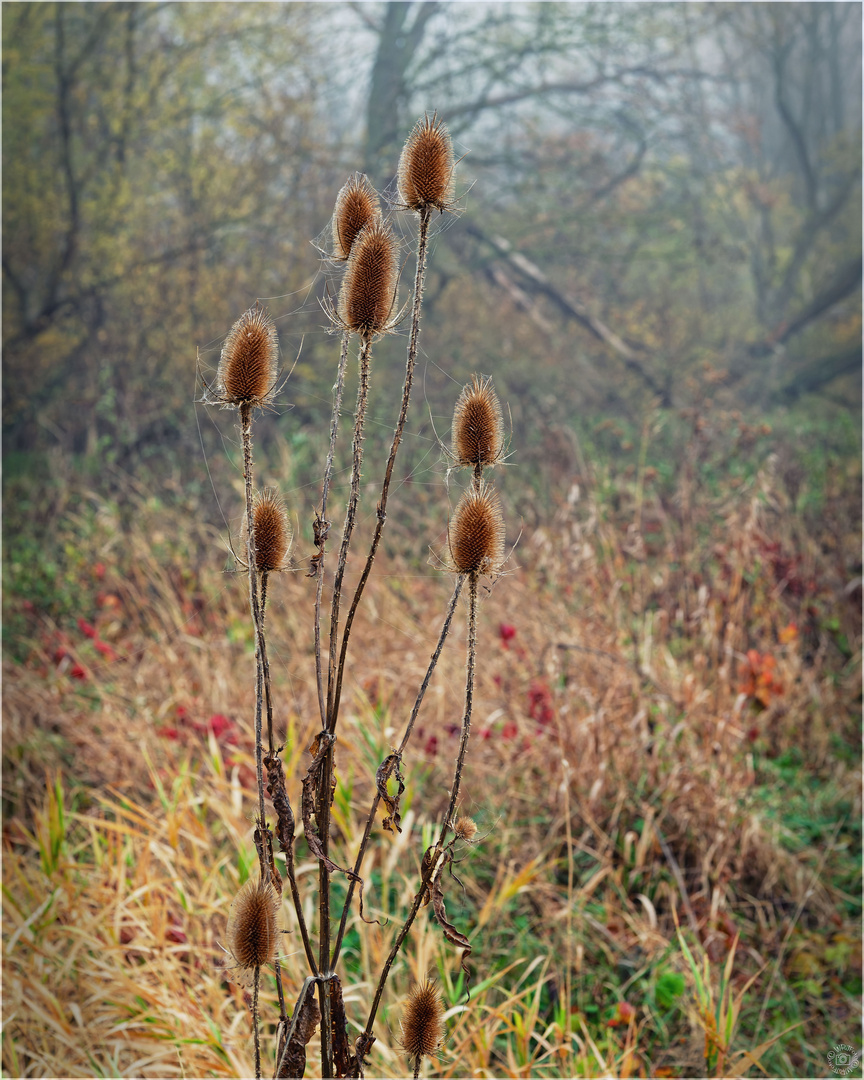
<point>390,766</point>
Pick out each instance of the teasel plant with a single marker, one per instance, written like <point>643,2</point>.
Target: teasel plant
<point>363,246</point>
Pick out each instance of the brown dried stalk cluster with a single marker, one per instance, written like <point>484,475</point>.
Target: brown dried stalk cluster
<point>366,244</point>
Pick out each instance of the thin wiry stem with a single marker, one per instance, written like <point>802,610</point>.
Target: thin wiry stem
<point>445,630</point>
<point>322,525</point>
<point>246,430</point>
<point>397,439</point>
<point>255,1021</point>
<point>350,516</point>
<point>431,865</point>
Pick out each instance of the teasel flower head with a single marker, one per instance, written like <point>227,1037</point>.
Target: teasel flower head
<point>252,932</point>
<point>423,1023</point>
<point>368,294</point>
<point>476,534</point>
<point>425,175</point>
<point>465,828</point>
<point>272,531</point>
<point>478,427</point>
<point>247,369</point>
<point>357,204</point>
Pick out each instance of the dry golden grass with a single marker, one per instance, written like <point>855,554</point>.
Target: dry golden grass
<point>614,775</point>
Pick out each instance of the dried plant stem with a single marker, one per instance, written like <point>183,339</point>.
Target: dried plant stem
<point>469,702</point>
<point>445,630</point>
<point>255,1023</point>
<point>397,945</point>
<point>322,525</point>
<point>265,664</point>
<point>417,1067</point>
<point>322,813</point>
<point>246,431</point>
<point>431,865</point>
<point>350,516</point>
<point>419,280</point>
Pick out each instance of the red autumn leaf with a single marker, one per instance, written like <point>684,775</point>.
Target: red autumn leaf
<point>219,724</point>
<point>86,628</point>
<point>506,632</point>
<point>625,1013</point>
<point>105,649</point>
<point>168,732</point>
<point>78,672</point>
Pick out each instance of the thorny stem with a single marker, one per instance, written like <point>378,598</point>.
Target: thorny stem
<point>257,978</point>
<point>265,664</point>
<point>469,702</point>
<point>432,865</point>
<point>246,429</point>
<point>323,525</point>
<point>322,813</point>
<point>445,630</point>
<point>359,419</point>
<point>417,1067</point>
<point>397,438</point>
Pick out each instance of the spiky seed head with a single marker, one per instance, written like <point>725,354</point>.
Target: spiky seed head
<point>252,931</point>
<point>357,204</point>
<point>272,530</point>
<point>423,1022</point>
<point>369,288</point>
<point>465,829</point>
<point>477,532</point>
<point>425,176</point>
<point>248,364</point>
<point>478,427</point>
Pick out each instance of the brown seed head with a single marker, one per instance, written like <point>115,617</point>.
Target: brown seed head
<point>272,530</point>
<point>247,367</point>
<point>425,176</point>
<point>478,428</point>
<point>252,932</point>
<point>357,205</point>
<point>423,1022</point>
<point>465,829</point>
<point>369,289</point>
<point>477,532</point>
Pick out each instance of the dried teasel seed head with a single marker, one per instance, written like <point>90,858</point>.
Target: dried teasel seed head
<point>465,829</point>
<point>477,532</point>
<point>425,176</point>
<point>272,530</point>
<point>478,427</point>
<point>252,932</point>
<point>423,1022</point>
<point>369,288</point>
<point>248,364</point>
<point>357,205</point>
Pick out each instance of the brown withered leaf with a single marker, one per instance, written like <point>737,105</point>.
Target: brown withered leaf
<point>281,803</point>
<point>450,931</point>
<point>310,784</point>
<point>343,1059</point>
<point>426,870</point>
<point>362,1046</point>
<point>390,766</point>
<point>293,1064</point>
